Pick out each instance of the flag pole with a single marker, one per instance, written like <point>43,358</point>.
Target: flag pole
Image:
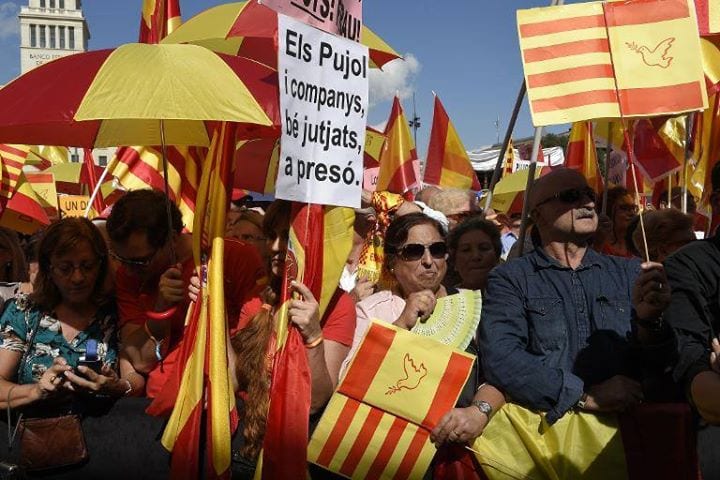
<point>497,173</point>
<point>530,180</point>
<point>606,173</point>
<point>506,141</point>
<point>96,191</point>
<point>688,155</point>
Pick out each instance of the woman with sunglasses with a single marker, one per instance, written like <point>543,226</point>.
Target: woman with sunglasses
<point>415,299</point>
<point>327,340</point>
<point>45,337</point>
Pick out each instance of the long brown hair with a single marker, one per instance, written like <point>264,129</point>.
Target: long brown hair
<point>15,270</point>
<point>251,345</point>
<point>60,237</point>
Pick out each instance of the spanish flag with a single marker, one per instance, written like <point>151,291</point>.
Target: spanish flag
<point>23,212</point>
<point>397,388</point>
<point>256,164</point>
<point>159,19</point>
<point>320,240</point>
<point>12,160</point>
<point>447,163</point>
<point>581,154</point>
<point>374,143</point>
<point>607,60</point>
<point>205,385</point>
<point>397,171</point>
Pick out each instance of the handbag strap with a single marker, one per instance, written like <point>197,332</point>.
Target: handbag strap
<point>12,432</point>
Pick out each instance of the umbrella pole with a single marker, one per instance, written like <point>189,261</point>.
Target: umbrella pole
<point>96,191</point>
<point>173,255</point>
<point>528,187</point>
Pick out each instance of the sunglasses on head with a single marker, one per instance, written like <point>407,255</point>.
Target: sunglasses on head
<point>572,195</point>
<point>414,251</point>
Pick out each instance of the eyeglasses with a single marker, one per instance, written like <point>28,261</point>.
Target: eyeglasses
<point>66,269</point>
<point>135,262</point>
<point>572,195</point>
<point>415,251</point>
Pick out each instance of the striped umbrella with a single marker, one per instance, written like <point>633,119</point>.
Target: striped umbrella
<point>249,29</point>
<point>137,94</point>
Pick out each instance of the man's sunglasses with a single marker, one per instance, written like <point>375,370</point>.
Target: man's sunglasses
<point>572,195</point>
<point>135,262</point>
<point>414,251</point>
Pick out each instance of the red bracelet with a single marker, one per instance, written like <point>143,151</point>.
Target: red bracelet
<point>161,316</point>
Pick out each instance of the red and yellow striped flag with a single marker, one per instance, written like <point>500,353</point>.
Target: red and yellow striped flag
<point>708,12</point>
<point>159,19</point>
<point>141,167</point>
<point>205,386</point>
<point>397,172</point>
<point>43,184</point>
<point>581,154</point>
<point>659,145</point>
<point>378,422</point>
<point>447,163</point>
<point>23,212</point>
<point>12,160</point>
<point>374,143</point>
<point>598,60</point>
<point>320,240</point>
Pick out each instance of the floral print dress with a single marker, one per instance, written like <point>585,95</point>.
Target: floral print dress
<point>22,317</point>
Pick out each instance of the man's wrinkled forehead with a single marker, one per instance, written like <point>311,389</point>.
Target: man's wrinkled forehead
<point>549,185</point>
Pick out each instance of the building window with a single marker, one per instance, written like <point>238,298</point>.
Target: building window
<point>43,43</point>
<point>61,36</point>
<point>33,35</point>
<point>42,3</point>
<point>78,5</point>
<point>71,38</point>
<point>52,3</point>
<point>52,36</point>
<point>62,4</point>
<point>102,160</point>
<point>75,158</point>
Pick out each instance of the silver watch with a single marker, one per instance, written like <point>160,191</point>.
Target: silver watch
<point>483,406</point>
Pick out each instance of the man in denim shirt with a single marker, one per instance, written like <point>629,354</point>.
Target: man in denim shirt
<point>565,326</point>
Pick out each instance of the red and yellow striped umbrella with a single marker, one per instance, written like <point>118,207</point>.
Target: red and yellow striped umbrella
<point>249,29</point>
<point>122,96</point>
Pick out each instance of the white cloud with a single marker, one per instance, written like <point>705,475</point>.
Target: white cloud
<point>9,23</point>
<point>398,76</point>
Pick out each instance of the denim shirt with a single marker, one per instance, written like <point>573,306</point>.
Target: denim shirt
<point>547,330</point>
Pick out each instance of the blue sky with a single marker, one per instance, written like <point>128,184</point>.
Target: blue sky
<point>464,50</point>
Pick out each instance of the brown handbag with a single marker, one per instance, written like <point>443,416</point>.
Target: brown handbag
<point>53,442</point>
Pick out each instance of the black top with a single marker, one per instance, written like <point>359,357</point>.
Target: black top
<point>694,313</point>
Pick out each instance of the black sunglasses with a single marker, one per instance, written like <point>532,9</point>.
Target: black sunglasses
<point>572,195</point>
<point>414,251</point>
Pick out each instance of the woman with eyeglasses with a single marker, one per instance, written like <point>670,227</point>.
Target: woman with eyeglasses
<point>621,209</point>
<point>58,344</point>
<point>413,297</point>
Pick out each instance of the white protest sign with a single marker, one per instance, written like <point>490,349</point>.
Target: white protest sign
<point>323,105</point>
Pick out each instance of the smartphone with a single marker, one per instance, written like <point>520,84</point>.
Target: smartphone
<point>94,365</point>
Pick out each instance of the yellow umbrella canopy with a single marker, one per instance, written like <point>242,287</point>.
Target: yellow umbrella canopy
<point>122,96</point>
<point>248,29</point>
<point>508,193</point>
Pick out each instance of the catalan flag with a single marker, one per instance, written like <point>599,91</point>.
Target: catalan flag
<point>43,184</point>
<point>397,171</point>
<point>320,240</point>
<point>205,386</point>
<point>159,19</point>
<point>447,163</point>
<point>141,167</point>
<point>44,157</point>
<point>607,60</point>
<point>659,145</point>
<point>581,154</point>
<point>708,12</point>
<point>397,388</point>
<point>12,160</point>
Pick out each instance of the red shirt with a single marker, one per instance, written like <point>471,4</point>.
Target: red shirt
<point>338,323</point>
<point>243,269</point>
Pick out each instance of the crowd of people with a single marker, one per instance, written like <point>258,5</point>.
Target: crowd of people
<point>94,315</point>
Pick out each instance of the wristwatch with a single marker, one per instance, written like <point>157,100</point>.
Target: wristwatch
<point>483,406</point>
<point>581,403</point>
